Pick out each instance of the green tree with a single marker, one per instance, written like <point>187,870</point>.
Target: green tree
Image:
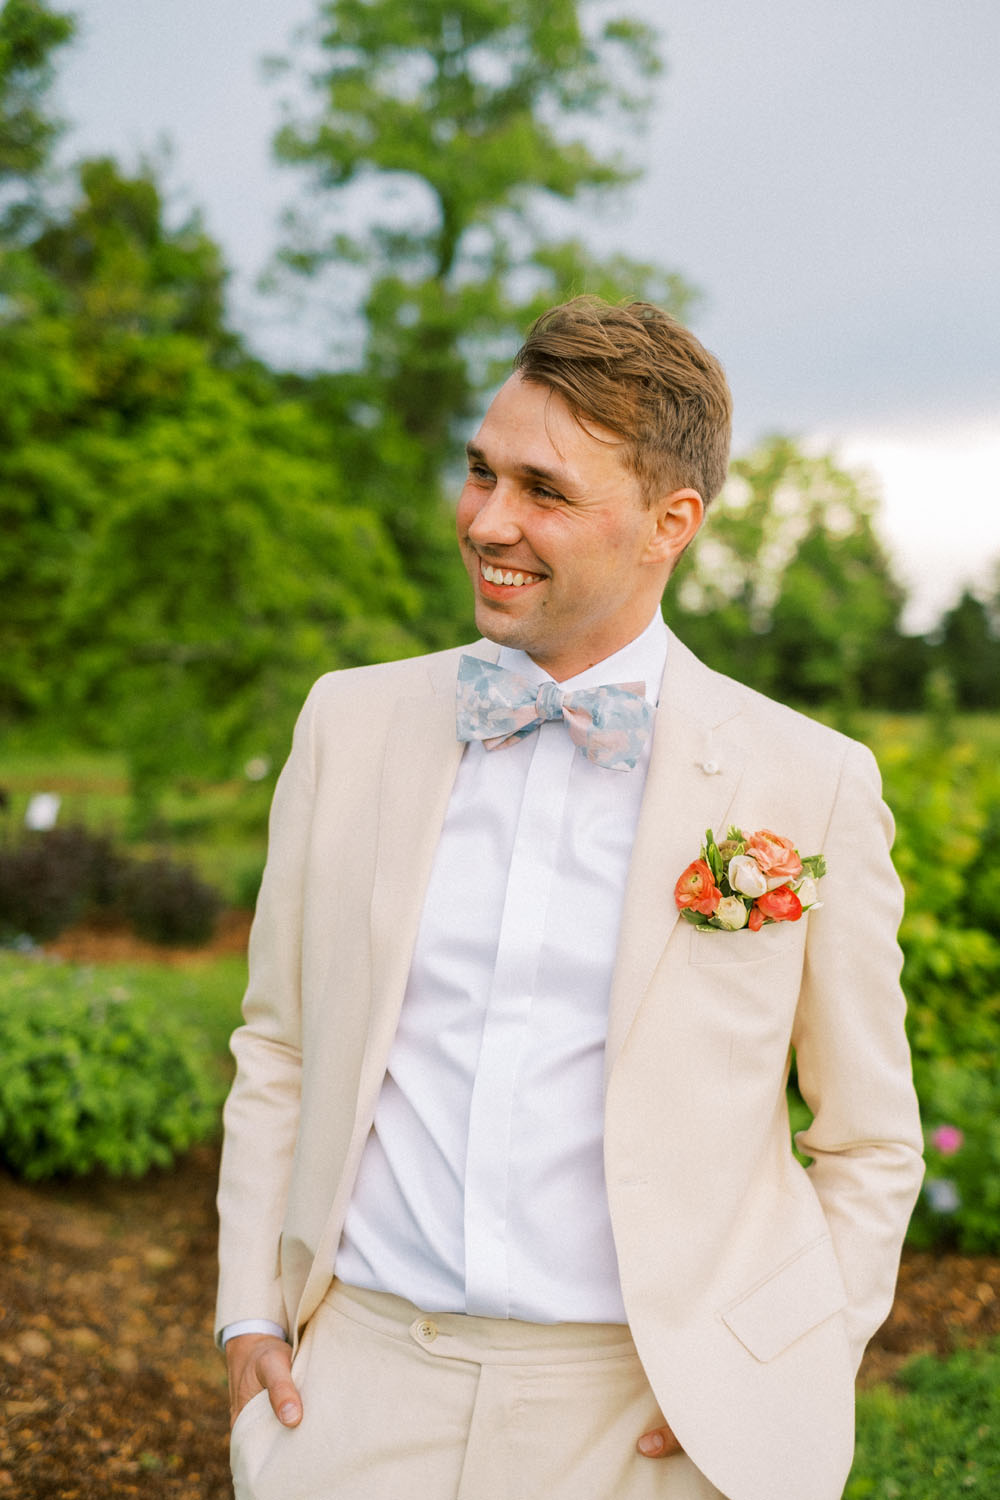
<point>107,316</point>
<point>226,568</point>
<point>129,279</point>
<point>39,380</point>
<point>966,645</point>
<point>181,554</point>
<point>790,587</point>
<point>29,33</point>
<point>449,130</point>
<point>181,532</point>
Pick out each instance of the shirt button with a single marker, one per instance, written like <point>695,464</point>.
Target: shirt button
<point>427,1331</point>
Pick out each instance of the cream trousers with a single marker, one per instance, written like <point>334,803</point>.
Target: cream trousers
<point>404,1405</point>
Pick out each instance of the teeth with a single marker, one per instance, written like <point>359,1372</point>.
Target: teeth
<point>497,575</point>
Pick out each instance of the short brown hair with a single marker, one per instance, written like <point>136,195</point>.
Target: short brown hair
<point>636,370</point>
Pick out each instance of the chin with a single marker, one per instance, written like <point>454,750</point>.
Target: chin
<point>498,627</point>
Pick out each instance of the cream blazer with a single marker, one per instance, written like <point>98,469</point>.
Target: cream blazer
<point>752,1284</point>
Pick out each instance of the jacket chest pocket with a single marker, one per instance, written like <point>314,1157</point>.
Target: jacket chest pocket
<point>745,947</point>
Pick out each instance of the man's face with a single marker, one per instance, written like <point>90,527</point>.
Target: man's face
<point>549,503</point>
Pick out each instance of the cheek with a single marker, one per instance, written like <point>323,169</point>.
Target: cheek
<point>465,513</point>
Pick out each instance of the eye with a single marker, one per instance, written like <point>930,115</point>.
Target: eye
<point>480,471</point>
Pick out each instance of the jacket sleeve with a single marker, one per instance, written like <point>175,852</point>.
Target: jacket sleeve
<point>852,1055</point>
<point>261,1116</point>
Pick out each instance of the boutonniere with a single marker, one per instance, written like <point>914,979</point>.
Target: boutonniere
<point>748,882</point>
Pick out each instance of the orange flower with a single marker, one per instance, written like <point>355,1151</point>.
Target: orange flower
<point>696,890</point>
<point>775,855</point>
<point>781,905</point>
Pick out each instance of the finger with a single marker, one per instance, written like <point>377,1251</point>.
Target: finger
<point>660,1443</point>
<point>274,1372</point>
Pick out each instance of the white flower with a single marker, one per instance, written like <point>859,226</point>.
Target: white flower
<point>746,875</point>
<point>731,913</point>
<point>943,1195</point>
<point>808,893</point>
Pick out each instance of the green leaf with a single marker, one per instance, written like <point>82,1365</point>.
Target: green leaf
<point>713,857</point>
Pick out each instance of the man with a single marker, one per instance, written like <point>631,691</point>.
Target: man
<point>507,1156</point>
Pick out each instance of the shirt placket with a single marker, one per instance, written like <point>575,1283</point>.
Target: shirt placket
<point>506,1031</point>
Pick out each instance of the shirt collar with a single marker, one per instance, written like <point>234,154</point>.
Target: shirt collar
<point>642,660</point>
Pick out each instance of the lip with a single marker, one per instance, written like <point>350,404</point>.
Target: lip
<point>504,591</point>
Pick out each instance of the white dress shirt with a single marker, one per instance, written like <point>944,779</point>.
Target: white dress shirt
<point>481,1187</point>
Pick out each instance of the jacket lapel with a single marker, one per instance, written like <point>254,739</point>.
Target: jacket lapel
<point>421,760</point>
<point>694,772</point>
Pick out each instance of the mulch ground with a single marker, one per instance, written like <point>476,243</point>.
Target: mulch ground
<point>110,1385</point>
<point>109,1382</point>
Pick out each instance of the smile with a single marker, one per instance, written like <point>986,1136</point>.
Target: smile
<point>507,577</point>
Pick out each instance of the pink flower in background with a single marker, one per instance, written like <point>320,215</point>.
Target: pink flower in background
<point>947,1139</point>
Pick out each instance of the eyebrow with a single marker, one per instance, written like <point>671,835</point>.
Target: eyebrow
<point>555,478</point>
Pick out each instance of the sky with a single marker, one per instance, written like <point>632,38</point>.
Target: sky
<point>825,173</point>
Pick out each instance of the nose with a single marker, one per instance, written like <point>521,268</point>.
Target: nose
<point>496,521</point>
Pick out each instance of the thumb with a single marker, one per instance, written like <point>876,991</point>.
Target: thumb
<point>274,1370</point>
<point>660,1443</point>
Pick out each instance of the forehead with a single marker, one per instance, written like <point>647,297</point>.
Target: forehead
<point>533,425</point>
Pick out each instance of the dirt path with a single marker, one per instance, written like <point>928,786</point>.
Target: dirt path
<point>110,1386</point>
<point>109,1381</point>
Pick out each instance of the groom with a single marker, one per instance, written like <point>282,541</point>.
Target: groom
<point>508,1203</point>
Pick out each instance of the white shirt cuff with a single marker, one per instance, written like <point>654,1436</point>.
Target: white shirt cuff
<point>251,1325</point>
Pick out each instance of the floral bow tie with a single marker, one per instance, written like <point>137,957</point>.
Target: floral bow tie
<point>610,724</point>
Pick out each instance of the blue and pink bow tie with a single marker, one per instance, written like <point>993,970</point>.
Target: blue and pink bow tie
<point>611,725</point>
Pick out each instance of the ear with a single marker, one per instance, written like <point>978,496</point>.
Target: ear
<point>678,516</point>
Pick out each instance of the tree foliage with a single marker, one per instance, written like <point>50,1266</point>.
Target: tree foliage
<point>228,566</point>
<point>190,537</point>
<point>29,34</point>
<point>966,646</point>
<point>185,556</point>
<point>442,136</point>
<point>790,587</point>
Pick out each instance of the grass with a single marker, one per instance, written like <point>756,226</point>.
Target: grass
<point>934,1434</point>
<point>219,828</point>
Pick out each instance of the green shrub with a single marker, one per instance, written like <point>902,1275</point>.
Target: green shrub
<point>245,882</point>
<point>52,879</point>
<point>95,1074</point>
<point>959,1204</point>
<point>935,1435</point>
<point>38,894</point>
<point>944,789</point>
<point>946,799</point>
<point>951,976</point>
<point>167,903</point>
